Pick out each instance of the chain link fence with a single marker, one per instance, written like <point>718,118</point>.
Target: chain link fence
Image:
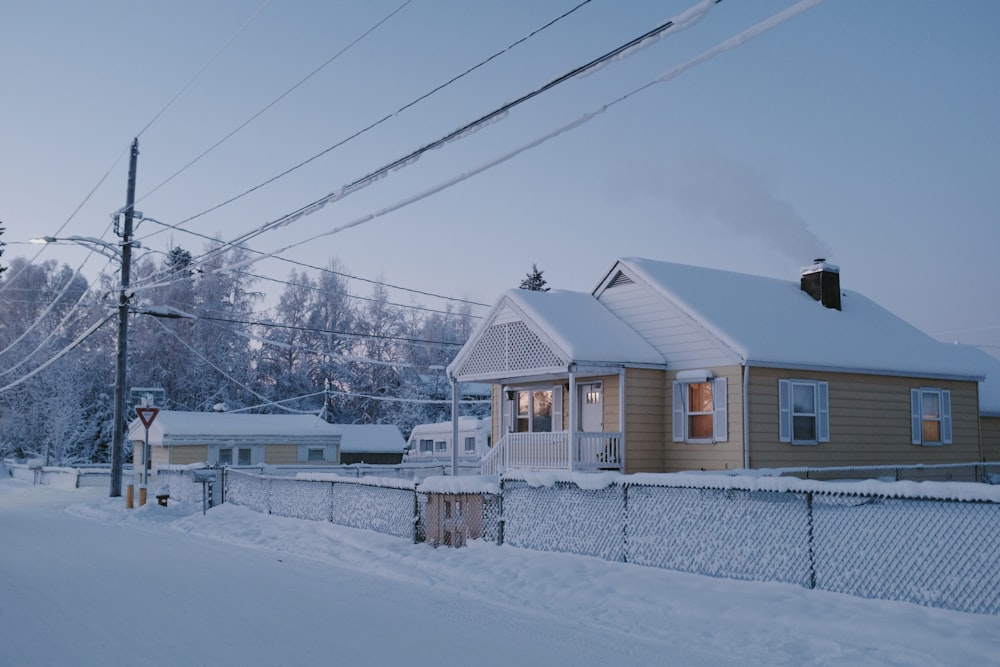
<point>872,542</point>
<point>925,543</point>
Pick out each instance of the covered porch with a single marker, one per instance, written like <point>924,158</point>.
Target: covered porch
<point>557,362</point>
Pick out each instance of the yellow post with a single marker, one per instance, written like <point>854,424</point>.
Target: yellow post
<point>142,496</point>
<point>129,497</point>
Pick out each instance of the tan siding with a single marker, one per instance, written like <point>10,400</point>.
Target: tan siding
<point>282,455</point>
<point>991,438</point>
<point>645,419</point>
<point>183,455</point>
<point>611,416</point>
<point>714,456</point>
<point>869,422</point>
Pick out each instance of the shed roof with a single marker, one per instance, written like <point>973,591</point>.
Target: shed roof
<point>365,438</point>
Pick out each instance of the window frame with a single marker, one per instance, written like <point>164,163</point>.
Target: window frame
<point>425,446</point>
<point>786,411</point>
<point>918,418</point>
<point>470,444</point>
<point>682,414</point>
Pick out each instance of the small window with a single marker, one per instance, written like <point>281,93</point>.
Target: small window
<point>316,454</point>
<point>470,444</point>
<point>803,412</point>
<point>440,446</point>
<point>930,415</point>
<point>700,414</point>
<point>426,446</point>
<point>245,456</point>
<point>226,456</point>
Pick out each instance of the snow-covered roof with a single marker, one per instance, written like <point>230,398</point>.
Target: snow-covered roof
<point>359,438</point>
<point>176,427</point>
<point>773,322</point>
<point>582,327</point>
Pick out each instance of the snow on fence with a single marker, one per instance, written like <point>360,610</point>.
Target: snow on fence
<point>929,543</point>
<point>62,477</point>
<point>385,505</point>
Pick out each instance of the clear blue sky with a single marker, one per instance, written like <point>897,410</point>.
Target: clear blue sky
<point>865,132</point>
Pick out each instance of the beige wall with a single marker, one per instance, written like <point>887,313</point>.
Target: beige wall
<point>869,422</point>
<point>186,454</point>
<point>282,454</point>
<point>990,437</point>
<point>717,455</point>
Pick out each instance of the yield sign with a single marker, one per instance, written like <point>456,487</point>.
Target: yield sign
<point>147,415</point>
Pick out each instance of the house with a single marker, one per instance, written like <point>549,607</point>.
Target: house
<point>371,443</point>
<point>432,442</point>
<point>667,367</point>
<point>219,438</point>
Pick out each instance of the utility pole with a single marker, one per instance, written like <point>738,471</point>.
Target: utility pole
<point>118,437</point>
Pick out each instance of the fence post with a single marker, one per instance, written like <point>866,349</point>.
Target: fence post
<point>812,553</point>
<point>500,519</point>
<point>416,515</point>
<point>625,522</point>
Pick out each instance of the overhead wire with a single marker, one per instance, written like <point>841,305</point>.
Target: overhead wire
<point>45,311</point>
<point>128,148</point>
<point>350,334</point>
<point>59,355</point>
<point>275,101</point>
<point>388,116</point>
<point>680,22</point>
<point>322,269</point>
<point>204,67</point>
<point>726,45</point>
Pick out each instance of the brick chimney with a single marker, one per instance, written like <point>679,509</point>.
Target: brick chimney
<point>821,281</point>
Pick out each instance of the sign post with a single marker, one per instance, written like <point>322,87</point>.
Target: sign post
<point>146,416</point>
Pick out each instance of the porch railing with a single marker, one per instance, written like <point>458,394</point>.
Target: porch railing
<point>550,451</point>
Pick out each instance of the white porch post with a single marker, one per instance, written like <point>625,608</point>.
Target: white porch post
<point>454,426</point>
<point>621,416</point>
<point>572,414</point>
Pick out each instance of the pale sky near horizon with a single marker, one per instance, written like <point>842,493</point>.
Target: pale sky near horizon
<point>863,132</point>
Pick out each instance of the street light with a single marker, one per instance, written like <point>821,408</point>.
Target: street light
<point>122,254</point>
<point>104,247</point>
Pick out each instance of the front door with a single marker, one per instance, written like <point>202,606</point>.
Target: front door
<point>591,407</point>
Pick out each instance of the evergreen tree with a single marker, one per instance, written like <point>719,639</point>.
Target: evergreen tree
<point>534,281</point>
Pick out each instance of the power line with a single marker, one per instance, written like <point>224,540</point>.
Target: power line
<point>276,100</point>
<point>682,21</point>
<point>316,268</point>
<point>726,45</point>
<point>387,116</point>
<point>146,127</point>
<point>347,295</point>
<point>353,334</point>
<point>66,350</point>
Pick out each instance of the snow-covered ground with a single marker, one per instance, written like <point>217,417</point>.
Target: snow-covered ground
<point>83,581</point>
